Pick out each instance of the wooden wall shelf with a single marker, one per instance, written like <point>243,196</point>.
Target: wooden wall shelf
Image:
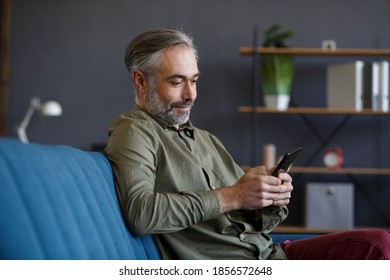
<point>305,110</point>
<point>315,51</point>
<point>354,170</point>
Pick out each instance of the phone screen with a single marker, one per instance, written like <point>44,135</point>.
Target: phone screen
<point>286,162</point>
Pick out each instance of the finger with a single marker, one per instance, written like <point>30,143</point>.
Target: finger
<point>284,176</point>
<point>277,189</point>
<point>283,202</point>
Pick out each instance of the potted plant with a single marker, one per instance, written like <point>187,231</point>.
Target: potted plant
<point>276,70</point>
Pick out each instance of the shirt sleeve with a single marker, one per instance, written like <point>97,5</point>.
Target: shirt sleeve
<point>132,149</point>
<point>270,217</point>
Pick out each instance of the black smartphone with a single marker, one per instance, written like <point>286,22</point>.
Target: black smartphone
<point>286,161</point>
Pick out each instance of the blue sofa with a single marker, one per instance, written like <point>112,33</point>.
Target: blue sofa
<point>59,202</point>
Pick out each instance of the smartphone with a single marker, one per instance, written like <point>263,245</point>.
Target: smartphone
<point>286,162</point>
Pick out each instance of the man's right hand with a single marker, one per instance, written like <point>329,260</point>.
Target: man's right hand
<point>254,190</point>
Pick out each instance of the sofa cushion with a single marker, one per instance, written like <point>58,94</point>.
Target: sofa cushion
<point>59,202</point>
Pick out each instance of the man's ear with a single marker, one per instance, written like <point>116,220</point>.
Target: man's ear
<point>139,81</point>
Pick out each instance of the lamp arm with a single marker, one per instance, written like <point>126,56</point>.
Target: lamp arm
<point>21,129</point>
<point>27,118</point>
<point>22,135</point>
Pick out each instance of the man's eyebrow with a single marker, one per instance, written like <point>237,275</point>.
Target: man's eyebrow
<point>184,77</point>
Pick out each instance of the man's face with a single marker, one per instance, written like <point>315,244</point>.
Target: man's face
<point>173,92</point>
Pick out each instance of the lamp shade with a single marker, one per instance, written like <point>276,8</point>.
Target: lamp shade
<point>51,108</point>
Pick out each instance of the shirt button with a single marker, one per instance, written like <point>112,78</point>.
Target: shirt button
<point>213,187</point>
<point>242,237</point>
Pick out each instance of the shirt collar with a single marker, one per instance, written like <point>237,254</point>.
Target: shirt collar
<point>187,128</point>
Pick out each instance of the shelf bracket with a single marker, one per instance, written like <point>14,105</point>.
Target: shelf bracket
<point>255,97</point>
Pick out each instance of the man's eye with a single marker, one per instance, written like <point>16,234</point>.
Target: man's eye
<point>176,83</point>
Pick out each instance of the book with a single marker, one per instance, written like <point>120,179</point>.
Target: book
<point>371,86</point>
<point>383,98</point>
<point>345,83</point>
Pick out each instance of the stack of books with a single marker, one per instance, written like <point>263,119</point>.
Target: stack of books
<point>358,85</point>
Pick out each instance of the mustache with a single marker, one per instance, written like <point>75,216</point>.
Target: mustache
<point>182,104</point>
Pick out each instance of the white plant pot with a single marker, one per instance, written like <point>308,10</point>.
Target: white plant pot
<point>279,102</point>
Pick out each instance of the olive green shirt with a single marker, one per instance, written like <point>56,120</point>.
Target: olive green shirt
<point>165,180</point>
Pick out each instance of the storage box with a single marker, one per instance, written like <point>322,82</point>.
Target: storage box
<point>329,205</point>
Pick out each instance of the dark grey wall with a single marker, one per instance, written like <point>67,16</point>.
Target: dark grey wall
<point>72,51</point>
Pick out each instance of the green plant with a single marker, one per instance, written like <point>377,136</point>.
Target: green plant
<point>275,37</point>
<point>276,70</point>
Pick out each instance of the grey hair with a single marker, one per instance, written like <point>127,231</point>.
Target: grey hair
<point>144,52</point>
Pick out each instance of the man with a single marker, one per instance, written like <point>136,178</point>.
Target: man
<point>177,181</point>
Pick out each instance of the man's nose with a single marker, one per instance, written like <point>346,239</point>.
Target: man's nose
<point>189,91</point>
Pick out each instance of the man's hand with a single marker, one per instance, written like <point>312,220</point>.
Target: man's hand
<point>254,190</point>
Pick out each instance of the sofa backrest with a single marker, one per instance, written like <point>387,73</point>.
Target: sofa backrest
<point>59,202</point>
